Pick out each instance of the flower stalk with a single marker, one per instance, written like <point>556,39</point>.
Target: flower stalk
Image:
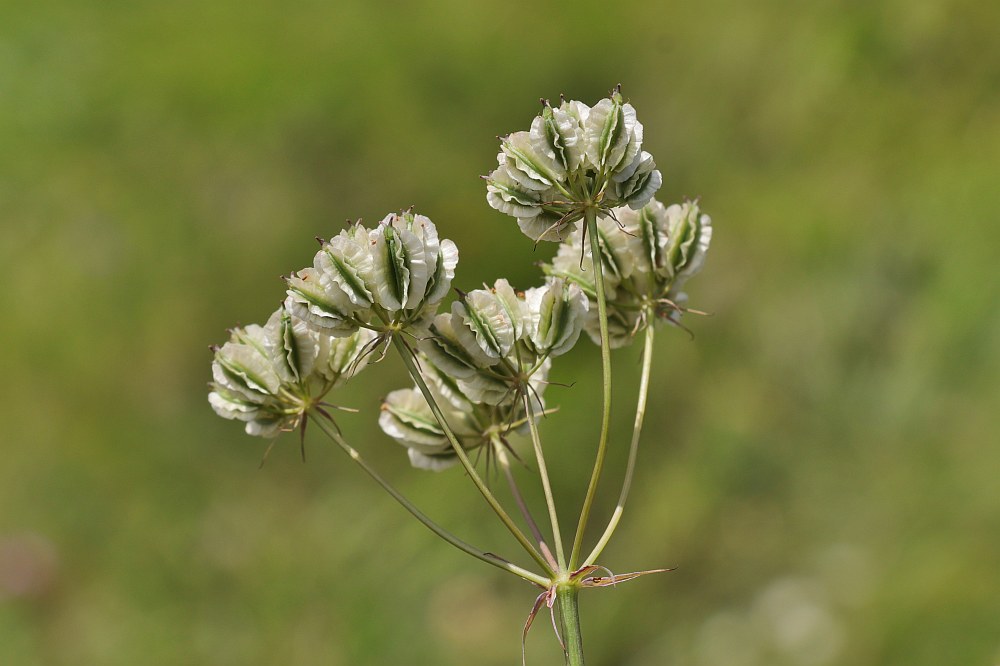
<point>331,431</point>
<point>640,414</point>
<point>543,472</point>
<point>590,216</point>
<point>411,367</point>
<point>515,491</point>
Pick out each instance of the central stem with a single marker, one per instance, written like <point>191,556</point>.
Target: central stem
<point>569,621</point>
<point>590,216</point>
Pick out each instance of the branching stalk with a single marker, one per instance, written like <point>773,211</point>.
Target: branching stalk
<point>590,215</point>
<point>489,558</point>
<point>543,472</point>
<point>515,491</point>
<point>407,355</point>
<point>640,413</point>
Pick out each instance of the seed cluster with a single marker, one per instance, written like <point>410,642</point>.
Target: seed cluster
<point>486,359</point>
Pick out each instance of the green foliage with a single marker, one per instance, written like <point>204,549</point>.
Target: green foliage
<point>823,450</point>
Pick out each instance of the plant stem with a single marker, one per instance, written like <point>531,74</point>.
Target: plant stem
<point>590,215</point>
<point>489,558</point>
<point>569,620</point>
<point>408,360</point>
<point>504,461</point>
<point>640,413</point>
<point>546,484</point>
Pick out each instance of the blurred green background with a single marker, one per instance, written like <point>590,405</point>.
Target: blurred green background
<point>821,462</point>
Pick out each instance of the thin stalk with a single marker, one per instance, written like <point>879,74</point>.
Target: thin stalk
<point>543,472</point>
<point>489,558</point>
<point>567,597</point>
<point>640,413</point>
<point>590,215</point>
<point>407,355</point>
<point>521,504</point>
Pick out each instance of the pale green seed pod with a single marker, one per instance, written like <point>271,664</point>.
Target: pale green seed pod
<point>448,352</point>
<point>496,340</point>
<point>618,257</point>
<point>574,158</point>
<point>512,305</point>
<point>412,267</point>
<point>335,295</point>
<point>316,299</point>
<point>499,330</point>
<point>487,387</point>
<point>689,233</point>
<point>647,226</point>
<point>295,348</point>
<point>557,138</point>
<point>487,323</point>
<point>556,313</point>
<point>509,196</point>
<point>530,168</point>
<point>647,255</point>
<point>547,227</point>
<point>269,376</point>
<point>245,381</point>
<point>393,275</point>
<point>637,184</point>
<point>500,385</point>
<point>613,135</point>
<point>407,418</point>
<point>347,261</point>
<point>345,356</point>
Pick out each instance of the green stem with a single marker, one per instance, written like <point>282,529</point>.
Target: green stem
<point>640,413</point>
<point>408,360</point>
<point>543,472</point>
<point>515,491</point>
<point>590,215</point>
<point>489,558</point>
<point>569,621</point>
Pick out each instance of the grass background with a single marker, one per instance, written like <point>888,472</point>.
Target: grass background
<point>821,463</point>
